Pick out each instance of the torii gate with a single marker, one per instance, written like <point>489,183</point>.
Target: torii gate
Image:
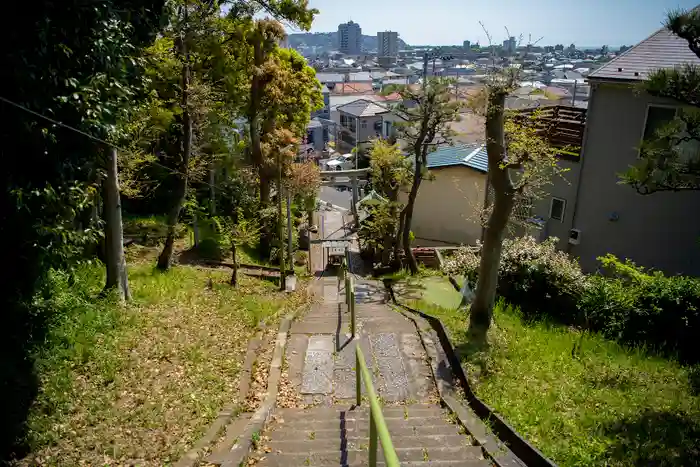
<point>329,179</point>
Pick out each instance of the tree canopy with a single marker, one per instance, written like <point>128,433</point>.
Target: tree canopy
<point>670,156</point>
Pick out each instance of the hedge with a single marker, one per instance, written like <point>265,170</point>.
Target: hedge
<point>624,302</point>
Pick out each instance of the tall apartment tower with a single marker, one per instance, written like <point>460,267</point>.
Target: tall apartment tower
<point>387,44</point>
<point>509,46</point>
<point>350,38</point>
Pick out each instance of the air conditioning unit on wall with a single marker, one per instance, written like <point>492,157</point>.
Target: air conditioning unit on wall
<point>574,236</point>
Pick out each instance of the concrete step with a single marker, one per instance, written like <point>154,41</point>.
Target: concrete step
<point>407,411</point>
<point>375,325</point>
<point>321,326</point>
<point>281,462</point>
<point>466,455</point>
<point>351,421</point>
<point>347,442</point>
<point>360,429</point>
<point>233,431</point>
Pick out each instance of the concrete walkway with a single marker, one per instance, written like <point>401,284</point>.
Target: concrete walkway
<point>320,355</point>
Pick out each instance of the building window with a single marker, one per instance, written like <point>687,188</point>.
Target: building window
<point>343,120</point>
<point>657,118</point>
<point>660,116</point>
<point>363,124</point>
<point>557,209</point>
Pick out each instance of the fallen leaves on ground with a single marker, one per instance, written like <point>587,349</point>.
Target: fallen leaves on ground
<point>260,373</point>
<point>153,381</point>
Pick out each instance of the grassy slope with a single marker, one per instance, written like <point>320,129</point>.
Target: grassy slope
<point>610,406</point>
<point>138,385</point>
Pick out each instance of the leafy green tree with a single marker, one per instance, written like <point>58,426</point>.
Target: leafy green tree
<point>74,62</point>
<point>391,172</point>
<point>426,126</point>
<point>521,162</point>
<point>283,93</point>
<point>669,158</point>
<point>304,182</point>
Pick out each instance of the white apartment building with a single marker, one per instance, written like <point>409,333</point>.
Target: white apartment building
<point>350,38</point>
<point>387,44</point>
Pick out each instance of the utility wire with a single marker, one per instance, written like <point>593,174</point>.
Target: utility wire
<point>93,138</point>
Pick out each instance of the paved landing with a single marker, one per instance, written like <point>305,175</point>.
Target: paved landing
<point>321,350</point>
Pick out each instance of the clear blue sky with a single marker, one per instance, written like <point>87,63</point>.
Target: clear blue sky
<point>445,22</point>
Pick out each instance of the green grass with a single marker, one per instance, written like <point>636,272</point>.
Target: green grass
<point>138,384</point>
<point>610,406</point>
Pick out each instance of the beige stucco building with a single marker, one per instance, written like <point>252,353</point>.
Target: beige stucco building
<point>450,200</point>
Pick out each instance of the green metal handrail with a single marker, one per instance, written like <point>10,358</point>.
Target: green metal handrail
<point>350,301</point>
<point>377,424</point>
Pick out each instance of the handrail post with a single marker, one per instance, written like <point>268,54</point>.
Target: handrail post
<point>358,380</point>
<point>352,307</point>
<point>378,431</point>
<point>372,439</point>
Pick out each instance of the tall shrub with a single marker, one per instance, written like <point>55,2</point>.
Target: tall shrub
<point>536,276</point>
<point>644,307</point>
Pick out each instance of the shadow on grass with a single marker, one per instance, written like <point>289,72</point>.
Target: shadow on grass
<point>19,383</point>
<point>655,438</point>
<point>474,352</point>
<point>405,291</point>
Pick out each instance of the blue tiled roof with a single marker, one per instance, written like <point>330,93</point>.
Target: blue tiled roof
<point>469,155</point>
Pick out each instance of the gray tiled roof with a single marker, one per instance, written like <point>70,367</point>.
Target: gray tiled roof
<point>360,76</point>
<point>362,108</point>
<point>314,123</point>
<point>330,77</point>
<point>663,49</point>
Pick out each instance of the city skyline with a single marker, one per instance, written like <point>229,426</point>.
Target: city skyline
<point>591,24</point>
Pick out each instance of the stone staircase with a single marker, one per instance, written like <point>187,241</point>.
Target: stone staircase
<point>318,423</point>
<point>331,431</point>
<point>422,434</point>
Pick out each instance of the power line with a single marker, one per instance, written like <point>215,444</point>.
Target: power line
<point>92,137</point>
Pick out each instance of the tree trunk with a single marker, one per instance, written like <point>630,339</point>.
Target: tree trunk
<point>212,191</point>
<point>117,278</point>
<point>280,228</point>
<point>290,246</point>
<point>195,229</point>
<point>265,187</point>
<point>408,216</point>
<point>399,234</point>
<point>254,123</point>
<point>165,257</point>
<point>234,269</point>
<point>481,311</point>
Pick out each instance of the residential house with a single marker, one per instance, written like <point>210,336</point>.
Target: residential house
<point>315,138</point>
<point>449,201</point>
<point>599,214</point>
<point>330,79</point>
<point>361,121</point>
<point>325,111</point>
